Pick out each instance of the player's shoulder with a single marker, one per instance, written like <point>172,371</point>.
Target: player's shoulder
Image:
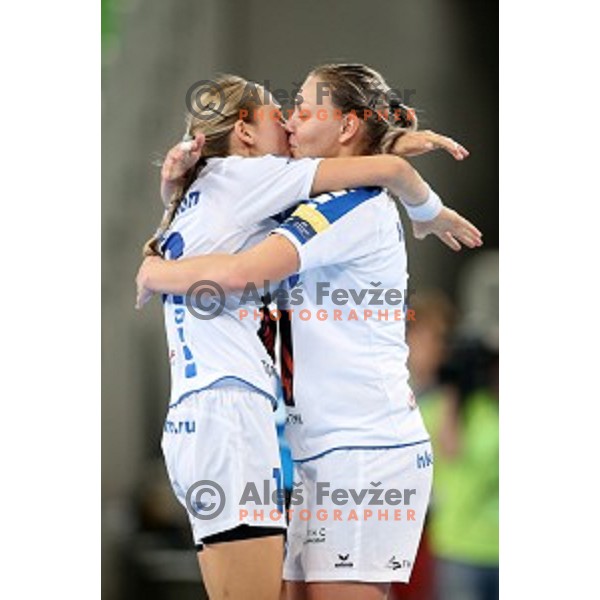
<point>233,175</point>
<point>251,163</point>
<point>335,205</point>
<point>359,194</point>
<point>317,215</point>
<point>235,162</point>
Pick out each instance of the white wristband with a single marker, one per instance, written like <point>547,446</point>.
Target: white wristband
<point>427,211</point>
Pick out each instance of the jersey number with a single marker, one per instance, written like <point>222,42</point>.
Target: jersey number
<point>173,249</point>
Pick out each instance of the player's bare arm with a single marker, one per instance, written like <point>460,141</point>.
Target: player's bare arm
<point>339,173</point>
<point>273,259</point>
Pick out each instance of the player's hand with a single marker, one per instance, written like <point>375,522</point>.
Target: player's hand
<point>415,143</point>
<point>181,158</point>
<point>143,294</point>
<point>450,228</point>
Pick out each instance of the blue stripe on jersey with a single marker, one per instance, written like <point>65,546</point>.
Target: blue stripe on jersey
<point>303,460</point>
<point>311,218</point>
<point>341,205</point>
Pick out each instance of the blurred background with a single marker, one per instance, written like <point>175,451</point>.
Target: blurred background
<point>445,50</point>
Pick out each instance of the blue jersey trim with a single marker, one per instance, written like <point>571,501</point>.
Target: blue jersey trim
<point>268,396</point>
<point>303,460</point>
<point>341,205</point>
<point>303,228</point>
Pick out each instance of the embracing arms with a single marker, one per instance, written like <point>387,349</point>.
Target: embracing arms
<point>273,259</point>
<point>276,257</point>
<point>389,170</point>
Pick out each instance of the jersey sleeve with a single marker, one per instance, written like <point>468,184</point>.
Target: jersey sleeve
<point>333,228</point>
<point>268,185</point>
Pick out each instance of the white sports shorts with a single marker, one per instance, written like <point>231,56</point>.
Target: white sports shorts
<point>222,457</point>
<point>361,514</point>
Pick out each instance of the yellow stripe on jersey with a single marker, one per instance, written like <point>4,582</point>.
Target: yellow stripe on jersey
<point>312,216</point>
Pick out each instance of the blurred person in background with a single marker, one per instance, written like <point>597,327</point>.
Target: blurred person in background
<point>459,402</point>
<point>464,524</point>
<point>428,337</point>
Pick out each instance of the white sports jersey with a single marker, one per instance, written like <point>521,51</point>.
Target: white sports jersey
<point>227,209</point>
<point>350,383</point>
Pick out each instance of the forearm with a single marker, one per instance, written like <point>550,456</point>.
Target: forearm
<point>418,199</point>
<point>384,170</point>
<point>178,276</point>
<point>406,183</point>
<point>271,260</point>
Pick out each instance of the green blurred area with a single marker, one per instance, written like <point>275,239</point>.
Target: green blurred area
<point>109,22</point>
<point>464,522</point>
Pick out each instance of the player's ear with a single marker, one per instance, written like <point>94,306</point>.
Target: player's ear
<point>244,132</point>
<point>349,127</point>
